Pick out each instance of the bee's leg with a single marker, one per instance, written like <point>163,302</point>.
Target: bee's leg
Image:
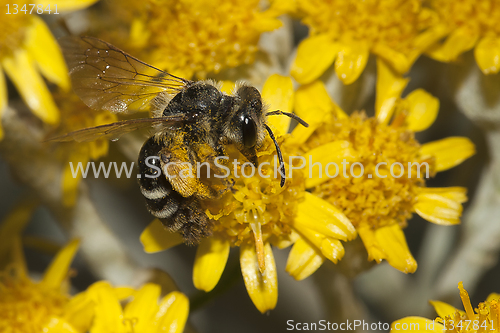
<point>189,220</point>
<point>194,223</point>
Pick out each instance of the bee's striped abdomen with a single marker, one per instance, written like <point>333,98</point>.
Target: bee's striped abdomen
<point>177,213</point>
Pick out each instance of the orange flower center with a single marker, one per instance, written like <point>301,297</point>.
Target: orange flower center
<point>201,38</point>
<point>483,319</point>
<point>393,23</point>
<point>482,15</point>
<point>371,199</point>
<point>257,206</point>
<point>26,306</point>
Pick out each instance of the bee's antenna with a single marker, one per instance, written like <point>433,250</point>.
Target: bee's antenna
<point>280,157</point>
<point>291,115</point>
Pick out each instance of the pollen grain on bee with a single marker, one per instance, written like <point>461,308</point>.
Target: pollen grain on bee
<point>221,167</point>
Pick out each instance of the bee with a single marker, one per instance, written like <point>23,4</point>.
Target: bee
<point>193,121</point>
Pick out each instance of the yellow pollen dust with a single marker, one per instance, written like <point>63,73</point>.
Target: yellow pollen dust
<point>374,200</point>
<point>26,306</point>
<point>202,37</point>
<point>393,23</point>
<point>476,14</point>
<point>257,209</point>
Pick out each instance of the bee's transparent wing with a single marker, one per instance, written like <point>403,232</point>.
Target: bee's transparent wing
<point>113,131</point>
<point>107,78</point>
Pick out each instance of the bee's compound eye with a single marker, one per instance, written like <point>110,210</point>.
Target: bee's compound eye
<point>249,129</point>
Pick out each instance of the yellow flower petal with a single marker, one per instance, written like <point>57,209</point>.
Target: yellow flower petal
<point>448,152</point>
<point>284,241</point>
<point>314,55</point>
<point>173,313</point>
<point>41,244</point>
<point>487,54</point>
<point>464,296</point>
<point>262,287</point>
<point>312,102</point>
<point>210,261</point>
<point>58,269</point>
<point>443,309</point>
<point>303,260</point>
<point>493,296</point>
<point>278,94</point>
<point>68,5</point>
<point>123,292</point>
<point>459,41</point>
<point>80,312</point>
<point>108,311</point>
<point>100,147</point>
<point>156,238</point>
<point>427,38</point>
<point>317,214</point>
<point>139,34</point>
<point>17,257</point>
<point>327,158</point>
<point>3,99</point>
<point>44,50</point>
<point>351,61</point>
<point>388,243</point>
<point>417,325</point>
<point>441,207</point>
<point>332,249</point>
<point>143,307</point>
<point>423,110</point>
<point>58,325</point>
<point>458,194</point>
<point>31,86</point>
<point>70,183</point>
<point>104,118</point>
<point>398,62</point>
<point>15,222</point>
<point>314,105</point>
<point>367,235</point>
<point>314,237</point>
<point>392,241</point>
<point>390,85</point>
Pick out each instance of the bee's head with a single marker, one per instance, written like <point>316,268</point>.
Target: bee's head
<point>246,126</point>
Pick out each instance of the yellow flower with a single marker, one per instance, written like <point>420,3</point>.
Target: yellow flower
<point>141,315</point>
<point>380,198</point>
<point>36,306</point>
<point>471,24</point>
<point>348,31</point>
<point>486,318</point>
<point>76,115</point>
<point>187,38</point>
<point>28,306</point>
<point>27,51</point>
<point>258,213</point>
